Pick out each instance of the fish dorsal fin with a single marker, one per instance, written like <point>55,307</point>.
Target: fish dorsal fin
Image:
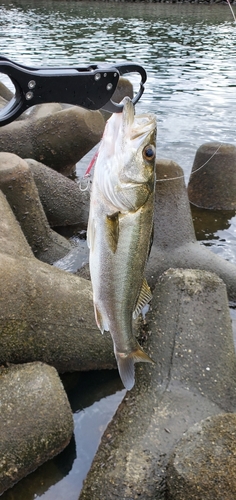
<point>144,297</point>
<point>112,231</point>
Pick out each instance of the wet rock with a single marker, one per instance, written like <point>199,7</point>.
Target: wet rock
<point>63,201</point>
<point>45,477</point>
<point>212,183</point>
<point>5,92</point>
<point>203,464</point>
<point>84,272</point>
<point>17,183</point>
<point>36,421</point>
<point>47,315</point>
<point>12,239</point>
<point>41,111</point>
<point>3,103</point>
<point>174,243</point>
<point>123,89</point>
<point>58,140</point>
<point>191,342</point>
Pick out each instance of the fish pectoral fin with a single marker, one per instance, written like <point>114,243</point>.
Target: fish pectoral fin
<point>100,320</point>
<point>91,233</point>
<point>144,297</point>
<point>125,363</point>
<point>112,231</point>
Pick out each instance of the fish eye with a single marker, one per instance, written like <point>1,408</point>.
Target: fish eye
<point>149,152</point>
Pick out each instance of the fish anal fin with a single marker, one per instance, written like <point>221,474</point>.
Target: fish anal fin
<point>151,240</point>
<point>140,356</point>
<point>144,297</point>
<point>112,231</point>
<point>101,322</point>
<point>125,363</point>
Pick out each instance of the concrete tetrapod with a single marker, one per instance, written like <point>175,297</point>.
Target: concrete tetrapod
<point>36,421</point>
<point>212,182</point>
<point>175,243</point>
<point>58,140</point>
<point>17,183</point>
<point>194,376</point>
<point>12,239</point>
<point>46,314</point>
<point>203,464</point>
<point>5,92</point>
<point>63,201</point>
<point>41,111</point>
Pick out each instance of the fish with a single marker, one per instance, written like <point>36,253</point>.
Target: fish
<point>119,230</point>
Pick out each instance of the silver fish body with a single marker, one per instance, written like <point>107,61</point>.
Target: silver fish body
<point>119,230</point>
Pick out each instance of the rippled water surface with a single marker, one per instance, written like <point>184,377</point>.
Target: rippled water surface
<point>187,50</point>
<point>189,54</point>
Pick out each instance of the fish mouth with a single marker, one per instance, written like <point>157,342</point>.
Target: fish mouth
<point>137,127</point>
<point>136,124</point>
<point>128,112</point>
<point>129,126</point>
<point>126,132</point>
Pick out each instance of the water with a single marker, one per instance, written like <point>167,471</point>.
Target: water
<point>94,398</point>
<point>189,54</point>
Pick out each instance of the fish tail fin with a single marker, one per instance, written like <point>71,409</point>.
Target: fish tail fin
<point>126,370</point>
<point>125,363</point>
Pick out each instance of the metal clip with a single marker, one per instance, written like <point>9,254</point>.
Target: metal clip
<point>123,69</point>
<point>90,87</point>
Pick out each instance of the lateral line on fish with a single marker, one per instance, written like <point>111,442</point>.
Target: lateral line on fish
<point>195,171</point>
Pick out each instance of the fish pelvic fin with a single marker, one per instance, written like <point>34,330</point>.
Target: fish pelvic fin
<point>125,363</point>
<point>100,320</point>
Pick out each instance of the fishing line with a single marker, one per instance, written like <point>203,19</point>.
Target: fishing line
<point>87,176</point>
<point>192,173</point>
<point>195,171</point>
<point>229,4</point>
